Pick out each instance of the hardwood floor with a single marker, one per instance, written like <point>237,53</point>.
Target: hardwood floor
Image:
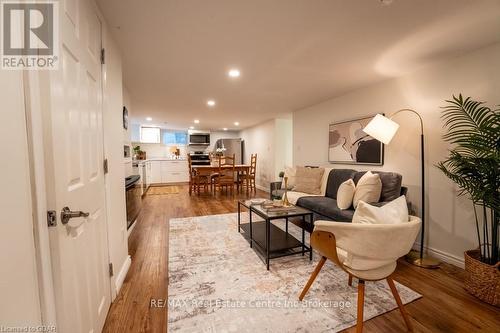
<point>445,306</point>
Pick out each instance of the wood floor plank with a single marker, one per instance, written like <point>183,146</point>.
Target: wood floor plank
<point>445,306</point>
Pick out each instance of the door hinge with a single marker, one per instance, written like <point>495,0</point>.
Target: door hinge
<point>105,165</point>
<point>103,56</point>
<point>51,218</point>
<point>111,272</point>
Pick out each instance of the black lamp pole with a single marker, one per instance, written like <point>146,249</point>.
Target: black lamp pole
<point>414,258</point>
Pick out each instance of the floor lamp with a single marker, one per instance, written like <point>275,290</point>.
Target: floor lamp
<point>383,129</point>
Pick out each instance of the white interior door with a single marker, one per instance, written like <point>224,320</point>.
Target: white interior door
<point>79,249</point>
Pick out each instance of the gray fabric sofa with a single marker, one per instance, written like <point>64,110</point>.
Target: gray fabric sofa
<point>325,207</point>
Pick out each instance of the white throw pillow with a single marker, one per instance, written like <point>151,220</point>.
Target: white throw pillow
<point>345,194</point>
<point>290,172</point>
<point>394,212</point>
<point>368,189</point>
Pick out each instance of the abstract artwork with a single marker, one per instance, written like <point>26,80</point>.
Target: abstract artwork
<point>348,144</point>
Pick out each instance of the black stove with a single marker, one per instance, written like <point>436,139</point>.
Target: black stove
<point>200,158</point>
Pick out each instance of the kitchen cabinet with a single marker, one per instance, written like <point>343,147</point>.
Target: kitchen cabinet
<point>169,171</point>
<point>155,172</point>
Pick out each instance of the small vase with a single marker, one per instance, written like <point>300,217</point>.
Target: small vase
<point>286,203</point>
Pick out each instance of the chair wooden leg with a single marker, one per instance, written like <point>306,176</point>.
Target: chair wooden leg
<point>361,305</point>
<point>350,280</point>
<point>400,304</point>
<point>312,278</point>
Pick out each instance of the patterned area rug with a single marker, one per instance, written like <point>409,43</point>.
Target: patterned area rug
<point>162,190</point>
<point>217,283</point>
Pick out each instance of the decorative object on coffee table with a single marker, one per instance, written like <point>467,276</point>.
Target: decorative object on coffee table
<point>348,144</point>
<point>473,164</point>
<point>286,203</point>
<point>384,129</point>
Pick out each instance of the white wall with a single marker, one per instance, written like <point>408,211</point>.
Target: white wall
<point>283,141</point>
<point>19,300</point>
<point>114,139</point>
<point>271,141</point>
<point>450,220</point>
<point>127,102</point>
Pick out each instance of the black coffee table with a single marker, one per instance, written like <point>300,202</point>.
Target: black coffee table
<point>270,240</point>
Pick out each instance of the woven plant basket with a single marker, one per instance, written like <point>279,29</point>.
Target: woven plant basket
<point>482,280</point>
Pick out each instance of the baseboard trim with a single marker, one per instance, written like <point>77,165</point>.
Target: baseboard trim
<point>122,274</point>
<point>443,256</point>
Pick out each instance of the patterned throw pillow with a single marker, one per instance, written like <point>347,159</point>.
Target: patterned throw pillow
<point>308,180</point>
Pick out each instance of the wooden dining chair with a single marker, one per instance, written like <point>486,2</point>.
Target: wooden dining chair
<point>214,161</point>
<point>248,179</point>
<point>253,171</point>
<point>197,179</point>
<point>227,172</point>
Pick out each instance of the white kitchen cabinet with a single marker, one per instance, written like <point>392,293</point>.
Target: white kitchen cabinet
<point>156,172</point>
<point>148,173</point>
<point>169,171</point>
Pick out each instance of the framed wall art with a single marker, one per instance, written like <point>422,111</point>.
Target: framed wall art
<point>348,144</point>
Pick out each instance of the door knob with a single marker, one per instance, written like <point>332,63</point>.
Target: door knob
<point>67,214</point>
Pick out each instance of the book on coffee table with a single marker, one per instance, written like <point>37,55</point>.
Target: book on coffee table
<point>281,209</point>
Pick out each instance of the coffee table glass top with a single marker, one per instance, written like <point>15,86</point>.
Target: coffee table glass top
<point>259,209</point>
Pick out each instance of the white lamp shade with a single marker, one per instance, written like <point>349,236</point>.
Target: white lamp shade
<point>381,128</point>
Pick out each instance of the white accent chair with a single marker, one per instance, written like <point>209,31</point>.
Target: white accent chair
<point>368,252</point>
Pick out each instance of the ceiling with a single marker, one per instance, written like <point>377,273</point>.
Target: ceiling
<point>291,53</point>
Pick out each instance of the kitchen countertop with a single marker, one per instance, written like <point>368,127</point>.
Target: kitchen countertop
<point>161,159</point>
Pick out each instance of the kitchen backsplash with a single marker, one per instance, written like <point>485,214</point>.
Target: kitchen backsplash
<point>160,150</point>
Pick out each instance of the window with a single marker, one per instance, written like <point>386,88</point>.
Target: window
<point>171,137</point>
<point>150,134</point>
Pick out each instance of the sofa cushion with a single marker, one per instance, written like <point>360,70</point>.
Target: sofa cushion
<point>391,184</point>
<point>325,206</point>
<point>335,178</point>
<point>294,196</point>
<point>308,180</point>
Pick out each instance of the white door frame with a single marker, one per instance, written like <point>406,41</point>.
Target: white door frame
<point>35,129</point>
<point>36,83</point>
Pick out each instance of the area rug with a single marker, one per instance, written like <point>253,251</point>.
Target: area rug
<point>217,283</point>
<point>162,190</point>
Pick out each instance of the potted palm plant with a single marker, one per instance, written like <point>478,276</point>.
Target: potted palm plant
<point>473,130</point>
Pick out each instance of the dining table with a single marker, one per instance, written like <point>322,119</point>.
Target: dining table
<point>243,169</point>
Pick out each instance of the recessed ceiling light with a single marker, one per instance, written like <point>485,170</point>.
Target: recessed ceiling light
<point>196,121</point>
<point>234,73</point>
<point>225,128</point>
<point>211,102</point>
<point>191,127</point>
<point>236,123</point>
<point>149,118</point>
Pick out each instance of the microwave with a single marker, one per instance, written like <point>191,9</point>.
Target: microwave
<point>199,139</point>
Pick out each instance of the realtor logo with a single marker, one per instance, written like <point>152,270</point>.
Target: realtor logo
<point>29,34</point>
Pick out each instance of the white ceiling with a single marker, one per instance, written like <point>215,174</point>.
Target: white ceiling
<point>291,53</point>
